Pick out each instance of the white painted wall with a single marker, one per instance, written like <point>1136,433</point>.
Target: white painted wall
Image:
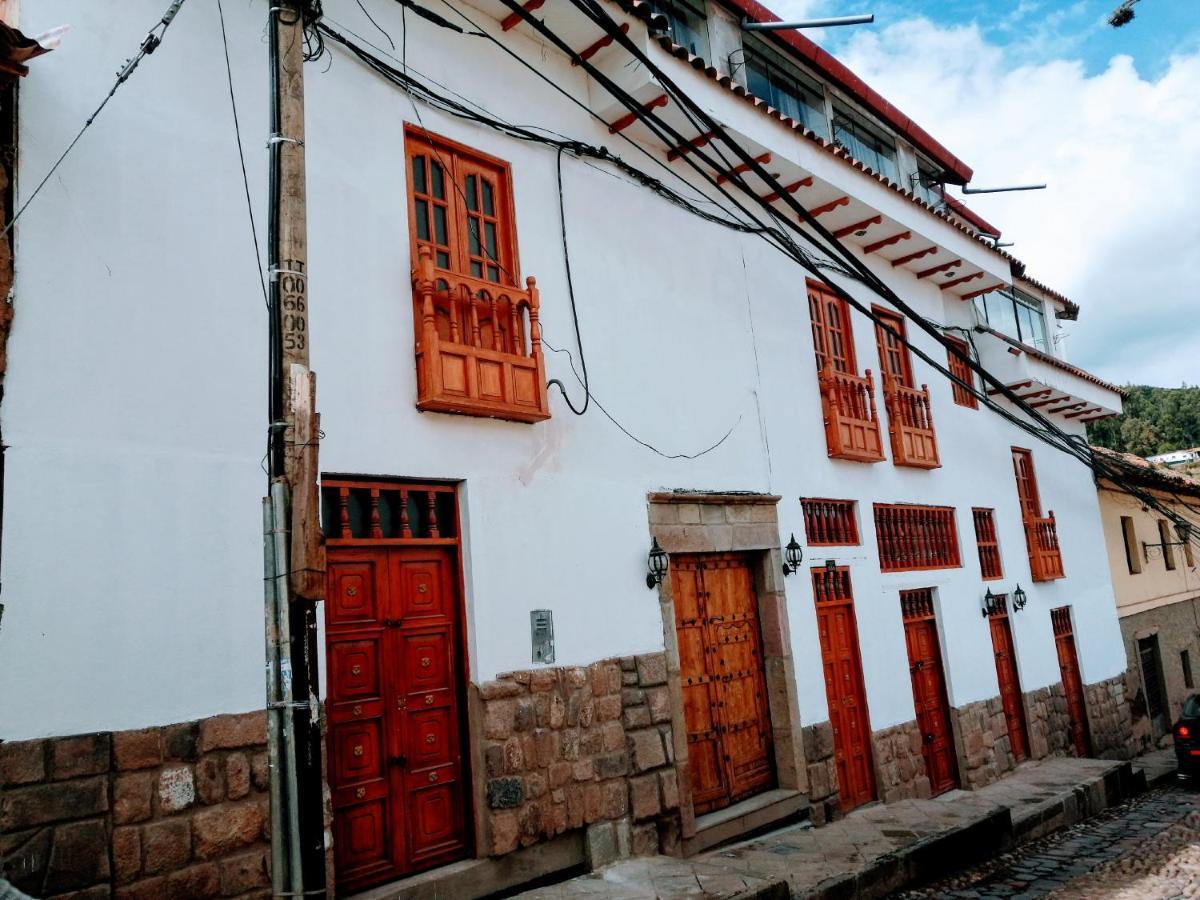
<point>134,404</point>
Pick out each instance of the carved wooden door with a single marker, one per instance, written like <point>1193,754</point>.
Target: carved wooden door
<point>1068,667</point>
<point>395,760</point>
<point>929,689</point>
<point>1010,684</point>
<point>721,673</point>
<point>844,689</point>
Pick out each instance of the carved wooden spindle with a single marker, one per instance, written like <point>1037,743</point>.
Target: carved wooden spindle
<point>455,314</point>
<point>344,513</point>
<point>516,345</point>
<point>431,499</point>
<point>405,528</point>
<point>424,278</point>
<point>495,324</point>
<point>376,529</point>
<point>535,330</point>
<point>473,300</point>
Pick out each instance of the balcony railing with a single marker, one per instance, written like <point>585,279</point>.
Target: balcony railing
<point>851,421</point>
<point>479,346</point>
<point>1045,557</point>
<point>910,425</point>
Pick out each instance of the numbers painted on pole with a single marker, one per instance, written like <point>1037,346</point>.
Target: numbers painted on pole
<point>293,298</point>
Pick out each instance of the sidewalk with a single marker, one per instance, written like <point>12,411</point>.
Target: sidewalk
<point>878,848</point>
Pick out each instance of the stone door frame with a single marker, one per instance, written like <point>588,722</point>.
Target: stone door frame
<point>701,522</point>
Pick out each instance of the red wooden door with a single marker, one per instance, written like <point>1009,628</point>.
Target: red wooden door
<point>721,673</point>
<point>395,759</point>
<point>1068,666</point>
<point>1010,683</point>
<point>929,689</point>
<point>844,690</point>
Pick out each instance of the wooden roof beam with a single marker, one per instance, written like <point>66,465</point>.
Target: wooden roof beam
<point>512,21</point>
<point>1083,412</point>
<point>902,260</point>
<point>790,189</point>
<point>691,145</point>
<point>1069,406</point>
<point>887,242</point>
<point>1015,386</point>
<point>629,118</point>
<point>963,280</point>
<point>940,268</point>
<point>761,159</point>
<point>829,207</point>
<point>1050,402</point>
<point>858,226</point>
<point>588,52</point>
<point>981,291</point>
<point>1042,393</point>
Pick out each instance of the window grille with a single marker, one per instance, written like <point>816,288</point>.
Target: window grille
<point>986,541</point>
<point>916,537</point>
<point>829,523</point>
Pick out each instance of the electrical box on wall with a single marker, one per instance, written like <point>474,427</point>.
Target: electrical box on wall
<point>541,631</point>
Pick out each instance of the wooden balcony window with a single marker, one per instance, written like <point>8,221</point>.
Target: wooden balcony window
<point>959,353</point>
<point>910,418</point>
<point>478,342</point>
<point>1041,532</point>
<point>913,538</point>
<point>847,399</point>
<point>988,544</point>
<point>829,523</point>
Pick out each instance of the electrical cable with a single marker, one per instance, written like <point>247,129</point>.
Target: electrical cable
<point>562,221</point>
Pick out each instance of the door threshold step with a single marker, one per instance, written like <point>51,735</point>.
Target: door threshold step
<point>763,811</point>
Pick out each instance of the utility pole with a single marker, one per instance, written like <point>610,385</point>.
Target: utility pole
<point>294,549</point>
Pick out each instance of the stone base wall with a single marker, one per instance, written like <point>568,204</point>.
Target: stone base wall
<point>1109,719</point>
<point>822,773</point>
<point>1173,626</point>
<point>1048,721</point>
<point>985,752</point>
<point>566,748</point>
<point>174,811</point>
<point>899,765</point>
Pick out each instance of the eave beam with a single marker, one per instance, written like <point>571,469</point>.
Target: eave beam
<point>858,226</point>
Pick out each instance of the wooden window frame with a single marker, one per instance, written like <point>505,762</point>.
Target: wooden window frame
<point>1189,556</point>
<point>1041,532</point>
<point>959,354</point>
<point>824,332</point>
<point>916,538</point>
<point>910,412</point>
<point>1133,559</point>
<point>1164,538</point>
<point>830,523</point>
<point>895,321</point>
<point>1185,662</point>
<point>987,542</point>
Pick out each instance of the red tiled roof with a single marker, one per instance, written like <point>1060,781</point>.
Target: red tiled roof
<point>1056,362</point>
<point>1072,308</point>
<point>1147,473</point>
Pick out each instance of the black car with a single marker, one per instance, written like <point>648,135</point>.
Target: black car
<point>1187,737</point>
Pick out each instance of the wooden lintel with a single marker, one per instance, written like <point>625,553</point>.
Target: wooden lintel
<point>887,242</point>
<point>942,267</point>
<point>963,280</point>
<point>981,291</point>
<point>512,21</point>
<point>762,160</point>
<point>1049,402</point>
<point>790,189</point>
<point>829,207</point>
<point>902,260</point>
<point>590,51</point>
<point>1015,386</point>
<point>629,118</point>
<point>1082,412</point>
<point>691,145</point>
<point>858,226</point>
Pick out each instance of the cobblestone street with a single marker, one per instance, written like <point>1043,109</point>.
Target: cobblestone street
<point>1148,847</point>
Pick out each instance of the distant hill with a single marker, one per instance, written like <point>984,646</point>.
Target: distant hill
<point>1156,420</point>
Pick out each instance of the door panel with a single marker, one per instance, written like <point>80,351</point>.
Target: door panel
<point>929,689</point>
<point>721,673</point>
<point>1068,667</point>
<point>844,688</point>
<point>394,707</point>
<point>1010,686</point>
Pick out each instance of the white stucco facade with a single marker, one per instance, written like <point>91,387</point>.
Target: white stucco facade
<point>134,405</point>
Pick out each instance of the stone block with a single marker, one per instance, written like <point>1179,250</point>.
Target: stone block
<point>181,743</point>
<point>669,786</point>
<point>635,717</point>
<point>137,749</point>
<point>584,770</point>
<point>591,742</point>
<point>146,889</point>
<point>524,715</point>
<point>79,858</point>
<point>688,513</point>
<point>587,712</point>
<point>126,854</point>
<point>575,805</point>
<point>632,696</point>
<point>244,872</point>
<point>601,844</point>
<point>558,712</point>
<point>560,774</point>
<point>203,880</point>
<point>498,690</point>
<point>755,536</point>
<point>575,677</point>
<point>237,776</point>
<point>166,845</point>
<point>40,804</point>
<point>220,830</point>
<point>547,747</point>
<point>133,794</point>
<point>613,736</point>
<point>608,708</point>
<point>505,833</point>
<point>652,669</point>
<point>85,754</point>
<point>498,717</point>
<point>658,701</point>
<point>624,829</point>
<point>176,789</point>
<point>233,732</point>
<point>535,785</point>
<point>569,742</point>
<point>209,780</point>
<point>645,839</point>
<point>664,514</point>
<point>493,759</point>
<point>612,765</point>
<point>530,821</point>
<point>593,802</point>
<point>643,796</point>
<point>646,750</point>
<point>505,793</point>
<point>514,756</point>
<point>22,762</point>
<point>541,706</point>
<point>712,515</point>
<point>616,798</point>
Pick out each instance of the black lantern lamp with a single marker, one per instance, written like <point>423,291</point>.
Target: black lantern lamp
<point>991,604</point>
<point>656,565</point>
<point>792,556</point>
<point>1019,599</point>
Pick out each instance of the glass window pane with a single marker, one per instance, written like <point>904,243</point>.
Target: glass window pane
<point>493,273</point>
<point>439,187</point>
<point>477,269</point>
<point>489,205</point>
<point>489,236</point>
<point>472,194</point>
<point>473,235</point>
<point>443,259</point>
<point>422,210</point>
<point>439,225</point>
<point>418,168</point>
<point>1001,315</point>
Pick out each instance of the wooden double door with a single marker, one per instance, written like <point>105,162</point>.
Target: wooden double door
<point>1009,681</point>
<point>396,766</point>
<point>721,672</point>
<point>841,662</point>
<point>929,689</point>
<point>1072,682</point>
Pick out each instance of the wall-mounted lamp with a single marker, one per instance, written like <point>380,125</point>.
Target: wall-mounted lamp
<point>792,556</point>
<point>991,603</point>
<point>656,565</point>
<point>1019,599</point>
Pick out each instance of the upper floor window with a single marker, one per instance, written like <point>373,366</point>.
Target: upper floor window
<point>866,142</point>
<point>784,86</point>
<point>828,523</point>
<point>1133,559</point>
<point>910,416</point>
<point>987,543</point>
<point>1041,532</point>
<point>959,353</point>
<point>915,537</point>
<point>1164,538</point>
<point>688,24</point>
<point>832,340</point>
<point>928,185</point>
<point>1017,315</point>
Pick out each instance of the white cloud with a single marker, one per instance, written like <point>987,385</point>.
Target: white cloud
<point>1118,230</point>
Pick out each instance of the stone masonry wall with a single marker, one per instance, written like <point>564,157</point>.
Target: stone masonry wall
<point>823,789</point>
<point>1049,723</point>
<point>566,748</point>
<point>899,765</point>
<point>177,811</point>
<point>985,750</point>
<point>1108,718</point>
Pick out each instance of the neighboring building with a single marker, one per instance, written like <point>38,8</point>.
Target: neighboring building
<point>1176,458</point>
<point>496,674</point>
<point>1154,576</point>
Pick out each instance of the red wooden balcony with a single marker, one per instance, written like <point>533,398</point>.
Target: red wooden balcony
<point>851,421</point>
<point>479,347</point>
<point>910,425</point>
<point>1045,557</point>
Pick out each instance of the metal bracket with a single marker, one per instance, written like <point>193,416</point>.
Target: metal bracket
<point>282,139</point>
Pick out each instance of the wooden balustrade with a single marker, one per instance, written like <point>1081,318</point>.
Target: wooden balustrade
<point>916,537</point>
<point>479,345</point>
<point>829,523</point>
<point>851,420</point>
<point>910,425</point>
<point>1045,555</point>
<point>385,511</point>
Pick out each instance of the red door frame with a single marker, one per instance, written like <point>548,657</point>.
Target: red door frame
<point>1072,680</point>
<point>929,689</point>
<point>1009,680</point>
<point>421,530</point>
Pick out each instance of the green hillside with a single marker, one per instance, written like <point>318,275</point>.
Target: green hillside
<point>1156,420</point>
